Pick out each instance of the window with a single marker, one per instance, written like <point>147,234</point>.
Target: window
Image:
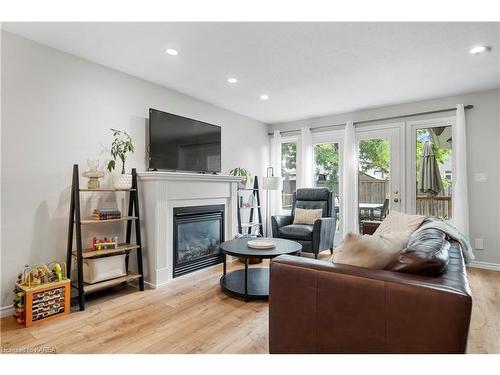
<point>326,166</point>
<point>373,178</point>
<point>288,173</point>
<point>326,170</point>
<point>434,185</point>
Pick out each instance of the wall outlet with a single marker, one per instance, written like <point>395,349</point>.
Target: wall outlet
<point>479,244</point>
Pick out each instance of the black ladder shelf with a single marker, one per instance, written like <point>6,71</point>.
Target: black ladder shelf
<point>255,205</point>
<point>75,225</point>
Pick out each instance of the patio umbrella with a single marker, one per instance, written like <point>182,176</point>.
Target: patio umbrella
<point>430,182</point>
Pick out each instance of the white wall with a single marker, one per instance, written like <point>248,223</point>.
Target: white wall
<point>483,147</point>
<point>57,111</point>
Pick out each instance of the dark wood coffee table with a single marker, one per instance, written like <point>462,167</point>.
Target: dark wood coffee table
<point>252,283</point>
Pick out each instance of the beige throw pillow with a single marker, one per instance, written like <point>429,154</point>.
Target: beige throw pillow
<point>399,222</point>
<point>375,252</point>
<point>305,216</point>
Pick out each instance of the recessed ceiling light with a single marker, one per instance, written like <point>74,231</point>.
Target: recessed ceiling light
<point>479,49</point>
<point>232,80</point>
<point>172,52</point>
<point>264,97</point>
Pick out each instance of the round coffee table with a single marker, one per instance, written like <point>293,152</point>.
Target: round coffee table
<point>252,283</point>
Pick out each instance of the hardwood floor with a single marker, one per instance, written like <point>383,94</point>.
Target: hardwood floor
<point>192,315</point>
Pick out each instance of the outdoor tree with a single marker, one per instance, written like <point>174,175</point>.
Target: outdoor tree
<point>374,154</point>
<point>289,157</point>
<point>326,158</point>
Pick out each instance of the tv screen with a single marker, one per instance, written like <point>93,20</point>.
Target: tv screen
<point>183,144</point>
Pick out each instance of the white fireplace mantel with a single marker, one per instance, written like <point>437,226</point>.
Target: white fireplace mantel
<point>159,193</point>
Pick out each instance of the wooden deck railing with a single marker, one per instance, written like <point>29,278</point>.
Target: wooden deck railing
<point>434,206</point>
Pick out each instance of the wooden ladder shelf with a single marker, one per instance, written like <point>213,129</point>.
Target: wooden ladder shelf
<point>75,227</point>
<point>251,225</point>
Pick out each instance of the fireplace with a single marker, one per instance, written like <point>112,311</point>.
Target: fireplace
<point>198,232</point>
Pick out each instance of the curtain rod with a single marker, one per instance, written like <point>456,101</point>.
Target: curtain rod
<point>468,106</point>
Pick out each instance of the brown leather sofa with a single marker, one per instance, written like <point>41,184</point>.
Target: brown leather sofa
<point>319,307</point>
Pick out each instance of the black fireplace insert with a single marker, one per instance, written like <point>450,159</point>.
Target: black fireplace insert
<point>198,232</point>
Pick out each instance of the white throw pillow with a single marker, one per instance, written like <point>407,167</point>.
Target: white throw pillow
<point>375,252</point>
<point>307,216</point>
<point>399,222</point>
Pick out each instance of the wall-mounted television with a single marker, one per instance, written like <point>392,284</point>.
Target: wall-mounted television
<point>179,143</point>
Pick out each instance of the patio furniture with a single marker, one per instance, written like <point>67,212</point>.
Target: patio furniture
<point>369,225</point>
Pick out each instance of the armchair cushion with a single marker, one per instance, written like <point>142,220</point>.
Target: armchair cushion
<point>303,216</point>
<point>297,231</point>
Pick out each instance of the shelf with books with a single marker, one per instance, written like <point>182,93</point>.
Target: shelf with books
<point>102,216</point>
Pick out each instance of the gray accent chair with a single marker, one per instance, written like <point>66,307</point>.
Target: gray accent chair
<point>314,238</point>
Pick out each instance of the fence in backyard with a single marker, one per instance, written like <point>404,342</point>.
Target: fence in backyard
<point>376,191</point>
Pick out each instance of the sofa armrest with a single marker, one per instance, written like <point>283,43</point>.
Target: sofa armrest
<point>319,307</point>
<point>323,233</point>
<point>279,221</point>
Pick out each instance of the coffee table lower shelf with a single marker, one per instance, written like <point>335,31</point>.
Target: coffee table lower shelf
<point>233,283</point>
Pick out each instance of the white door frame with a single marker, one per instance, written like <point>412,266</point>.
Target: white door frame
<point>411,146</point>
<point>395,132</point>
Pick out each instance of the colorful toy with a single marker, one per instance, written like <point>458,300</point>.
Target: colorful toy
<point>105,244</point>
<point>19,306</point>
<point>42,292</point>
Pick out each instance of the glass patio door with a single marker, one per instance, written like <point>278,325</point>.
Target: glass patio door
<point>379,172</point>
<point>430,166</point>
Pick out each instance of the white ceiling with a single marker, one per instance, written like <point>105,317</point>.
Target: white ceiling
<point>307,69</point>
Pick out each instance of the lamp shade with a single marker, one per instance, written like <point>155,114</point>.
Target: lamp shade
<point>271,183</point>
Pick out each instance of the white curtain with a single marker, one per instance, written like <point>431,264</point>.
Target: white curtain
<point>460,198</point>
<point>349,196</point>
<point>275,196</point>
<point>305,163</point>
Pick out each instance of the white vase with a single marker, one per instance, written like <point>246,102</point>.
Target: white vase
<point>122,181</point>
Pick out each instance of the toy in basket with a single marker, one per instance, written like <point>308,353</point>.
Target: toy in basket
<point>42,293</point>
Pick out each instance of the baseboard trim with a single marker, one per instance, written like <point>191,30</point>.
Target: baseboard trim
<point>6,311</point>
<point>485,265</point>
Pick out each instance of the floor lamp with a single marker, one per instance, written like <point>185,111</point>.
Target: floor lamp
<point>270,183</point>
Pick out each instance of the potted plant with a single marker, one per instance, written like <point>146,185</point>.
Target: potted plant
<point>121,146</point>
<point>243,173</point>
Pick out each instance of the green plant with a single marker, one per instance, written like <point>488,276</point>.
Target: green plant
<point>240,172</point>
<point>121,145</point>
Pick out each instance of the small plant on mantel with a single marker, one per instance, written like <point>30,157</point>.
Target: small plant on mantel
<point>241,172</point>
<point>121,146</point>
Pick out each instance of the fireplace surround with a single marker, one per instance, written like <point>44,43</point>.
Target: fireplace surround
<point>164,192</point>
<point>198,231</point>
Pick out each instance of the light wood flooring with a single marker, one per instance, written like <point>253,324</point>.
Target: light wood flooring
<point>192,315</point>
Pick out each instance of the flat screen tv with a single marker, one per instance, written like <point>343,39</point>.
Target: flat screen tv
<point>183,144</point>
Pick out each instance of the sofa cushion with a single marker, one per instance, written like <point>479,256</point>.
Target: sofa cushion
<point>399,222</point>
<point>303,216</point>
<point>297,231</point>
<point>375,252</point>
<point>426,254</point>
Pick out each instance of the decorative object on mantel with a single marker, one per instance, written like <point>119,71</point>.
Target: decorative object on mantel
<point>120,250</point>
<point>93,174</point>
<point>271,183</point>
<point>42,293</point>
<point>121,146</point>
<point>244,174</point>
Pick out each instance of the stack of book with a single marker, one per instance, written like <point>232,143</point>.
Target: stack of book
<point>106,214</point>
